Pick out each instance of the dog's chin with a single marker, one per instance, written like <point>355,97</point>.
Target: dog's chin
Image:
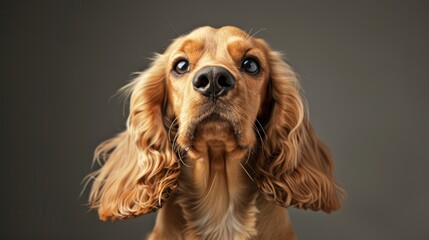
<point>213,128</point>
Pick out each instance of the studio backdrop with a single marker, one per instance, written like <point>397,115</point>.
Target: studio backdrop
<point>363,66</point>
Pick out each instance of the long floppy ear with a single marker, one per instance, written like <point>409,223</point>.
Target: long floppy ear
<point>295,167</point>
<point>141,170</point>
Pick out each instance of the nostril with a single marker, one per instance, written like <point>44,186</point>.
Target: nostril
<point>224,82</point>
<point>202,82</point>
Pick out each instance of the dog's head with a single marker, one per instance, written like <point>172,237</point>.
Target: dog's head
<point>214,87</point>
<point>217,82</point>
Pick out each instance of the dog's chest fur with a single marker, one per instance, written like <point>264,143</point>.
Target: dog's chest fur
<point>218,202</point>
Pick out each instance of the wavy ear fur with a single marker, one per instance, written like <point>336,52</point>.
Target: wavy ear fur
<point>295,167</point>
<point>141,170</point>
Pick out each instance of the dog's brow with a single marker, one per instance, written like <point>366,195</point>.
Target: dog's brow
<point>238,47</point>
<point>192,48</point>
<point>192,45</point>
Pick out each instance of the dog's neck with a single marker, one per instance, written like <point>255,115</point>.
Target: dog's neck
<point>217,195</point>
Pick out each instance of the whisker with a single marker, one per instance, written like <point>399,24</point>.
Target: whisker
<point>251,168</point>
<point>262,128</point>
<point>260,30</point>
<point>181,159</point>
<point>169,129</point>
<point>260,137</point>
<point>248,34</point>
<point>173,144</point>
<point>246,172</point>
<point>171,26</point>
<point>248,156</point>
<point>263,147</point>
<point>174,147</point>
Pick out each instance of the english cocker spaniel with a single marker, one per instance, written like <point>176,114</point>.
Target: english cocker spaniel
<point>218,140</point>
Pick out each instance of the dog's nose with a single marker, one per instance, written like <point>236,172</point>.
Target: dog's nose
<point>213,81</point>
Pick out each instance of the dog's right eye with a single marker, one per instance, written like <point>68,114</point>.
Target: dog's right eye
<point>181,67</point>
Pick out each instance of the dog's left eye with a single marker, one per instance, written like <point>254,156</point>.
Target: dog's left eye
<point>250,65</point>
<point>181,67</point>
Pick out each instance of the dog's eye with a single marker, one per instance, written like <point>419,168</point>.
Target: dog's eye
<point>181,67</point>
<point>250,65</point>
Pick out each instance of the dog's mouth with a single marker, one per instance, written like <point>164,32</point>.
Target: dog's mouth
<point>213,124</point>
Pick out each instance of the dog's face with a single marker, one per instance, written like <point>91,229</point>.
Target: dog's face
<point>217,82</point>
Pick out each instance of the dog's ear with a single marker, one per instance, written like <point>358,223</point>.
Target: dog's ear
<point>141,169</point>
<point>295,168</point>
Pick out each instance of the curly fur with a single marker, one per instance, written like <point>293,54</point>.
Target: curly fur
<point>141,169</point>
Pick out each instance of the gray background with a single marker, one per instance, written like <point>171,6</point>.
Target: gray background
<point>363,66</point>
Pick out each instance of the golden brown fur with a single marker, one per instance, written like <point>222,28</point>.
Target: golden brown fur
<point>223,177</point>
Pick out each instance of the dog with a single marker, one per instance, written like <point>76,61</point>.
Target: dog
<point>218,141</point>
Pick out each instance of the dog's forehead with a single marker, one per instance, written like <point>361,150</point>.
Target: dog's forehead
<point>212,38</point>
<point>214,41</point>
